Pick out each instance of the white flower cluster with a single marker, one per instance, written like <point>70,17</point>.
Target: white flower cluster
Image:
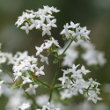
<point>73,83</point>
<point>49,106</point>
<point>45,46</point>
<point>88,106</point>
<point>24,106</point>
<point>42,19</point>
<point>26,70</point>
<point>74,31</point>
<point>16,97</point>
<point>23,64</point>
<point>90,55</point>
<point>54,102</point>
<point>5,57</point>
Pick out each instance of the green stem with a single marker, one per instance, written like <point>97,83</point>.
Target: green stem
<point>52,87</point>
<point>30,97</point>
<point>43,83</point>
<point>38,81</point>
<point>67,47</point>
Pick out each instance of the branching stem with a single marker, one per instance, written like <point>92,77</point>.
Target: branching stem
<point>52,87</point>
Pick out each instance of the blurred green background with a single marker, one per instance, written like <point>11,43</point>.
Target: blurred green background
<point>95,14</point>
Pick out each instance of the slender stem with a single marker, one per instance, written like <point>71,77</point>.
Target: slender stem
<point>67,47</point>
<point>52,87</point>
<point>43,83</point>
<point>38,81</point>
<point>50,96</point>
<point>56,73</point>
<point>34,103</point>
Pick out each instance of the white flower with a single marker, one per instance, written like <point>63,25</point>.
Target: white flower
<point>36,24</point>
<point>1,82</point>
<point>49,106</point>
<point>26,27</point>
<point>16,98</point>
<point>39,49</point>
<point>46,29</point>
<point>75,32</point>
<point>84,71</point>
<point>92,95</point>
<point>46,45</point>
<point>24,106</point>
<point>49,43</point>
<point>73,25</point>
<point>90,55</point>
<point>67,93</point>
<point>26,80</point>
<point>0,70</point>
<point>5,57</point>
<point>31,89</point>
<point>63,79</point>
<point>65,31</point>
<point>82,33</point>
<point>73,83</point>
<point>42,19</point>
<point>28,14</point>
<point>52,22</point>
<point>55,42</point>
<point>17,75</point>
<point>18,57</point>
<point>39,71</point>
<point>48,9</point>
<point>24,65</point>
<point>100,58</point>
<point>44,59</point>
